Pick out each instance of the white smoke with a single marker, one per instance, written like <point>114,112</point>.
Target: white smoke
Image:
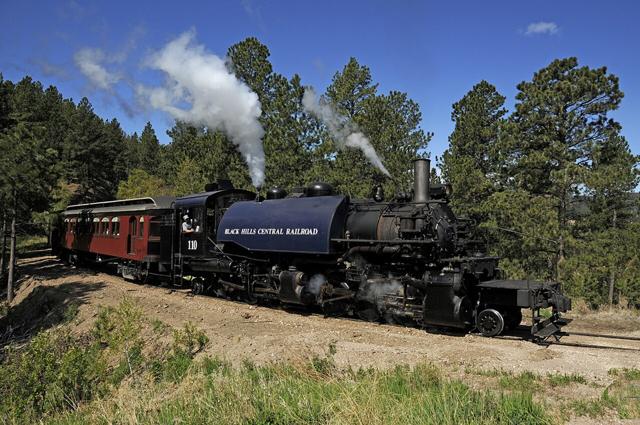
<point>376,291</point>
<point>315,283</point>
<point>213,96</point>
<point>91,63</point>
<point>344,132</point>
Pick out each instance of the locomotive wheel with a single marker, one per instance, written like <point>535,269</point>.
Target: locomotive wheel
<point>335,308</point>
<point>490,322</point>
<point>367,311</point>
<point>197,286</point>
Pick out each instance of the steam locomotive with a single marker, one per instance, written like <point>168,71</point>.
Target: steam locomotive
<point>408,260</point>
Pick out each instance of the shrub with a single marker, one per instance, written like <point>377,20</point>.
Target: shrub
<point>53,372</point>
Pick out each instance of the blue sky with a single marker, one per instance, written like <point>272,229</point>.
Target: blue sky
<point>434,51</point>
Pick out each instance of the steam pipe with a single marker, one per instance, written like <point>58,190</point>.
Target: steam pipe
<point>379,250</point>
<point>422,169</point>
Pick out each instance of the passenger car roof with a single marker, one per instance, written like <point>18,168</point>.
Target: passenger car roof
<point>122,205</point>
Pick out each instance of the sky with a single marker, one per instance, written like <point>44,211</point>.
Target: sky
<point>434,51</point>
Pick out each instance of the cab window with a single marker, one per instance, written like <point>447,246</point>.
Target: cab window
<point>192,220</point>
<point>211,222</point>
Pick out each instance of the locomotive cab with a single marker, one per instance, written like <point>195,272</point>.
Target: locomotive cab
<point>197,219</point>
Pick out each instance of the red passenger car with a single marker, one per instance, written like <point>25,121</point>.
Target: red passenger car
<point>134,233</point>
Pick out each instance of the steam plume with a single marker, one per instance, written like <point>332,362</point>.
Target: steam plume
<point>91,64</point>
<point>344,132</point>
<point>375,291</point>
<point>200,90</point>
<point>315,283</point>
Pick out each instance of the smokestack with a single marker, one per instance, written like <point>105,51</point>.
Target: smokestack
<point>421,186</point>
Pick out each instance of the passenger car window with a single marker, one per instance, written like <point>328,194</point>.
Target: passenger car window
<point>115,226</point>
<point>105,226</point>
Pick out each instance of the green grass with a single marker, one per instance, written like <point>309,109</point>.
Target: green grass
<point>528,381</point>
<point>524,381</point>
<point>628,374</point>
<point>30,243</point>
<point>70,312</point>
<point>545,313</point>
<point>560,380</point>
<point>290,394</point>
<point>489,373</point>
<point>622,397</point>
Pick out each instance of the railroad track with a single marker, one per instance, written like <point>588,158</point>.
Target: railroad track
<point>522,333</point>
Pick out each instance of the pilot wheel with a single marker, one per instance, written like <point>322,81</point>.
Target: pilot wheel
<point>197,286</point>
<point>490,322</point>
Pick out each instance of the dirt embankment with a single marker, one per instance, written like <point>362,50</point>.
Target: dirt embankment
<point>240,331</point>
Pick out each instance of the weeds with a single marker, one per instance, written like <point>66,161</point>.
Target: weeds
<point>621,397</point>
<point>559,380</point>
<point>525,381</point>
<point>70,313</point>
<point>326,365</point>
<point>190,339</point>
<point>545,313</point>
<point>490,373</point>
<point>70,380</point>
<point>52,373</point>
<point>117,374</point>
<point>158,326</point>
<point>56,372</point>
<point>628,374</point>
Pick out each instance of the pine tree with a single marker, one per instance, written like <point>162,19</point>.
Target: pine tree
<point>249,61</point>
<point>149,150</point>
<point>94,152</point>
<point>469,164</point>
<point>24,182</point>
<point>190,178</point>
<point>287,155</point>
<point>391,122</point>
<point>131,159</point>
<point>611,180</point>
<point>560,118</point>
<point>350,88</point>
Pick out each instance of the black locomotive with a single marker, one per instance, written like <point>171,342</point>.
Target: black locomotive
<point>407,260</point>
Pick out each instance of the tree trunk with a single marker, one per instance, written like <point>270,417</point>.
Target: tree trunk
<point>612,271</point>
<point>3,252</point>
<point>562,225</point>
<point>612,284</point>
<point>12,259</point>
